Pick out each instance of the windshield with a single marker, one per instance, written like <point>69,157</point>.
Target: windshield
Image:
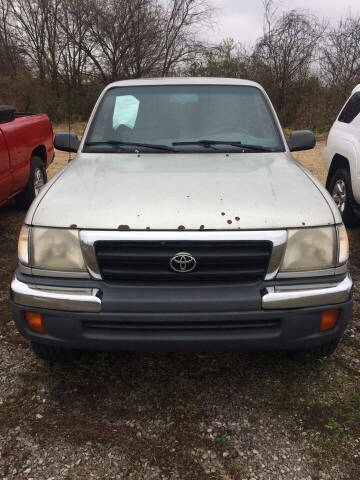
<point>183,118</point>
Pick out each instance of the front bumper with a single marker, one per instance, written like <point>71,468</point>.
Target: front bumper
<point>55,298</point>
<point>298,296</point>
<point>262,315</point>
<point>90,299</point>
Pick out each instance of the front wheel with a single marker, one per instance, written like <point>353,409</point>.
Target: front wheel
<point>37,178</point>
<point>339,186</point>
<point>324,350</point>
<point>52,354</point>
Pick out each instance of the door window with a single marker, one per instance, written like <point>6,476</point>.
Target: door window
<point>351,109</point>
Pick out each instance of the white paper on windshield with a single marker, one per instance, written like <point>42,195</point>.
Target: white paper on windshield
<point>125,111</point>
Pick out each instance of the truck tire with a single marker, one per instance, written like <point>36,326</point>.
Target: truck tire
<point>324,350</point>
<point>37,178</point>
<point>55,354</point>
<point>340,189</point>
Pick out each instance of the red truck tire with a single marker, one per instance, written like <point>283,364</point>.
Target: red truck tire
<point>37,179</point>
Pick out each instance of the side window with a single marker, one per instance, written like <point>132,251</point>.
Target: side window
<point>351,109</point>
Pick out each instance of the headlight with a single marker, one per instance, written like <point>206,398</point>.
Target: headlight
<point>343,245</point>
<point>310,249</point>
<point>51,249</point>
<point>56,249</point>
<point>23,245</point>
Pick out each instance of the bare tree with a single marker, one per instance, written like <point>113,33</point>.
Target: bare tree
<point>181,19</point>
<point>144,39</point>
<point>37,33</point>
<point>270,12</point>
<point>135,38</point>
<point>340,57</point>
<point>10,53</point>
<point>68,44</point>
<point>285,52</point>
<point>228,59</point>
<point>118,36</point>
<point>75,68</point>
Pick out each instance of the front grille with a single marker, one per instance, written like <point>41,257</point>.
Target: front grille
<point>149,261</point>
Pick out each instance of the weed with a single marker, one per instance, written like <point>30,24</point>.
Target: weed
<point>223,440</point>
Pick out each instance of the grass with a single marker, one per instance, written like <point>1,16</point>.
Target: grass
<point>223,440</point>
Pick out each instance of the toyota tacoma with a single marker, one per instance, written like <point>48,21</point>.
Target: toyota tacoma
<point>183,223</point>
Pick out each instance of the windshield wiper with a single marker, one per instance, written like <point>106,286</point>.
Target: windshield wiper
<point>210,143</point>
<point>133,144</point>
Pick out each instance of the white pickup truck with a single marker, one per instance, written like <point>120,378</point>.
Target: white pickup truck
<point>183,223</point>
<point>341,157</point>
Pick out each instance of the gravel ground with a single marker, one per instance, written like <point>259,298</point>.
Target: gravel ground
<point>178,416</point>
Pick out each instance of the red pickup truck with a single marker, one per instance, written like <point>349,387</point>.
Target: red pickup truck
<point>26,150</point>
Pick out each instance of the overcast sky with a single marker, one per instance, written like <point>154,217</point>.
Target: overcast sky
<point>243,19</point>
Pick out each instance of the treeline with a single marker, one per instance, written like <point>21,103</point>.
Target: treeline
<point>307,66</point>
<point>56,55</point>
<point>59,52</point>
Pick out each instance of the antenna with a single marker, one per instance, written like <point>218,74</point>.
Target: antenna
<point>69,117</point>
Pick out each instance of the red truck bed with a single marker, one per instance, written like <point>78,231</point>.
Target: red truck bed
<point>22,138</point>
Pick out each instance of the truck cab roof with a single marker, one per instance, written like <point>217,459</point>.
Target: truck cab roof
<point>184,81</point>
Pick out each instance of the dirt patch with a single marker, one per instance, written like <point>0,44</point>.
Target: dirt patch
<point>312,160</point>
<point>184,416</point>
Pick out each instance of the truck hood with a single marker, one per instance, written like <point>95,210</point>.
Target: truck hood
<point>182,191</point>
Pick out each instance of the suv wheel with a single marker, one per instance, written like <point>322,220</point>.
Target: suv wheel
<point>55,354</point>
<point>37,178</point>
<point>341,191</point>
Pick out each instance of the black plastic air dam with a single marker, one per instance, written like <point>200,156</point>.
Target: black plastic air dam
<point>182,331</point>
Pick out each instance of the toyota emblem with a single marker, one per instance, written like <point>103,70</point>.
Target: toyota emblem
<point>183,263</point>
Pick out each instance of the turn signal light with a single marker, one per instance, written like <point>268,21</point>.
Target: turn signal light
<point>329,320</point>
<point>35,322</point>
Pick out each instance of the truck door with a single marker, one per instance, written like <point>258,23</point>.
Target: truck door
<point>5,174</point>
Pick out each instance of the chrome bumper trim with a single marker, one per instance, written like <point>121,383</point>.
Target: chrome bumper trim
<point>55,298</point>
<point>293,296</point>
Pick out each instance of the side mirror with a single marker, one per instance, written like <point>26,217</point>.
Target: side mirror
<point>66,142</point>
<point>301,140</point>
<point>7,113</point>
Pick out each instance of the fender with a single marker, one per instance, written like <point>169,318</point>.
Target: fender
<point>347,149</point>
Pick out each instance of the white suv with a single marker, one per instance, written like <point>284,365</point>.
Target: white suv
<point>341,157</point>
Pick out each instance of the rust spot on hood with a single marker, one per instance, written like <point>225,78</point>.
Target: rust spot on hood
<point>223,214</point>
<point>229,222</point>
<point>181,227</point>
<point>123,227</point>
<point>237,219</point>
<point>202,227</point>
<point>73,225</point>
